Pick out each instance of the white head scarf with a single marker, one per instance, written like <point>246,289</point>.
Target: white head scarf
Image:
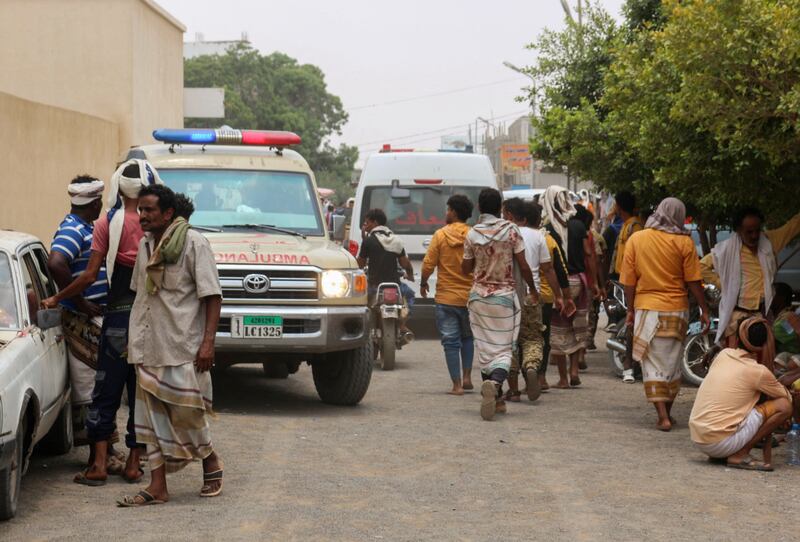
<point>669,217</point>
<point>85,193</point>
<point>128,187</point>
<point>557,210</point>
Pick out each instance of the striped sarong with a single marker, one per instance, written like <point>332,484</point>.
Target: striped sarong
<point>568,335</point>
<point>494,320</point>
<point>82,335</point>
<point>172,404</point>
<point>658,344</point>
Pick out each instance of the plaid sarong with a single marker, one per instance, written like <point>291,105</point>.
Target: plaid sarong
<point>172,404</point>
<point>658,344</point>
<point>494,320</point>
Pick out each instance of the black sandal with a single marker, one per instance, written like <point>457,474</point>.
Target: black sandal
<point>129,501</point>
<point>211,477</point>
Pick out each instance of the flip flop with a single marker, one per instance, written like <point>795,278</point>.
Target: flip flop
<point>81,479</point>
<point>129,501</point>
<point>133,480</point>
<point>211,477</point>
<point>750,463</point>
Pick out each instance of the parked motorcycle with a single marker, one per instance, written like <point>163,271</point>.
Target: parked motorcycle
<point>386,312</point>
<point>697,345</point>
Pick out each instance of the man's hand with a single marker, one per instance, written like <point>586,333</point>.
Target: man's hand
<point>558,304</point>
<point>630,318</point>
<point>596,292</point>
<point>50,302</point>
<point>569,308</point>
<point>423,290</point>
<point>534,297</point>
<point>205,357</point>
<point>706,320</point>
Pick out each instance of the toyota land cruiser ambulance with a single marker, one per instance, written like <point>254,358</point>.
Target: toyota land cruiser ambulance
<point>290,293</point>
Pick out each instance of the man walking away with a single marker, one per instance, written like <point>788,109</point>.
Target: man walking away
<point>383,251</point>
<point>727,418</point>
<point>490,250</point>
<point>444,256</point>
<point>530,346</point>
<point>173,326</point>
<point>744,267</point>
<point>115,240</point>
<point>626,207</point>
<point>82,315</point>
<point>659,262</point>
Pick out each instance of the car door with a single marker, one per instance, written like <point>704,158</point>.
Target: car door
<point>44,365</point>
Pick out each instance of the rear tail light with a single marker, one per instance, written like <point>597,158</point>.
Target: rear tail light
<point>391,296</point>
<point>352,248</point>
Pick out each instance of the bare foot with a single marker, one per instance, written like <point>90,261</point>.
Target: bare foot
<point>456,391</point>
<point>664,425</point>
<point>562,385</point>
<point>467,384</point>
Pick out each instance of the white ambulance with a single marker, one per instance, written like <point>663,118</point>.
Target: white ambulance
<point>412,188</point>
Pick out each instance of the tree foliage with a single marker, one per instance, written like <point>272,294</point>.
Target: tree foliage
<point>275,92</point>
<point>696,99</point>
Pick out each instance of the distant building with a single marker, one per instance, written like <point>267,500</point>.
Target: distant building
<point>200,47</point>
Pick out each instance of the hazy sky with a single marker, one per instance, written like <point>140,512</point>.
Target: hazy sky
<point>374,52</point>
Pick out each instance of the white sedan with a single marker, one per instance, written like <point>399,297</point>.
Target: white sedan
<point>34,384</point>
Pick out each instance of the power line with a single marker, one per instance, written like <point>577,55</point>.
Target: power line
<point>435,94</point>
<point>433,132</point>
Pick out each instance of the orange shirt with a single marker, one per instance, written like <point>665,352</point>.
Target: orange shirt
<point>660,264</point>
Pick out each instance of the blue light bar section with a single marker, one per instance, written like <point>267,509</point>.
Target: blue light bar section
<point>188,135</point>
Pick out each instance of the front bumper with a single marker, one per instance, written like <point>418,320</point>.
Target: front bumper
<point>312,330</point>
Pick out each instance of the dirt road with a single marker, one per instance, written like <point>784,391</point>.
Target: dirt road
<point>412,463</point>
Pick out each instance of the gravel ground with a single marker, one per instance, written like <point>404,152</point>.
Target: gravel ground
<point>411,463</point>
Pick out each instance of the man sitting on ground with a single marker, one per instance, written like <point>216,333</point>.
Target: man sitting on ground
<point>726,422</point>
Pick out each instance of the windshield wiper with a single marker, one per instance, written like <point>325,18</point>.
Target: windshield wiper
<point>205,228</point>
<point>268,227</point>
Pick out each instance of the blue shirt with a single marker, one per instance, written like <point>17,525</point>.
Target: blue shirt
<point>74,240</point>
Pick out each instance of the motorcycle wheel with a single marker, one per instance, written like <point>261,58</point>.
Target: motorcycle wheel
<point>388,344</point>
<point>615,359</point>
<point>692,367</point>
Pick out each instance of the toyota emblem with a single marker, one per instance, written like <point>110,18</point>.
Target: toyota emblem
<point>256,283</point>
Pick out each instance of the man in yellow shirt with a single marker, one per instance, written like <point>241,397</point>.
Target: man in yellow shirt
<point>626,207</point>
<point>744,267</point>
<point>659,262</point>
<point>444,256</point>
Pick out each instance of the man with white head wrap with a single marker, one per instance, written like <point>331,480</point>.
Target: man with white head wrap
<point>116,241</point>
<point>81,315</point>
<point>659,262</point>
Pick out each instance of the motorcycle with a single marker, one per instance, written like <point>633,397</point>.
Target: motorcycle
<point>696,347</point>
<point>386,311</point>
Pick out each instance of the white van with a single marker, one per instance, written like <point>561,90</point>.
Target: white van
<point>412,188</point>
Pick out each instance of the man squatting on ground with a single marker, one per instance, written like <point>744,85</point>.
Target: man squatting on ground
<point>81,316</point>
<point>659,262</point>
<point>444,256</point>
<point>728,419</point>
<point>530,345</point>
<point>115,241</point>
<point>173,326</point>
<point>490,249</point>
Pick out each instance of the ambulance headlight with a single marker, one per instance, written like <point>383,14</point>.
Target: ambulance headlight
<point>335,284</point>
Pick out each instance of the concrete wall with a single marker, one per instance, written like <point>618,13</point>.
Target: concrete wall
<point>41,149</point>
<point>116,59</point>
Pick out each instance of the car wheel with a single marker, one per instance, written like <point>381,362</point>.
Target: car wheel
<point>11,476</point>
<point>58,440</point>
<point>342,378</point>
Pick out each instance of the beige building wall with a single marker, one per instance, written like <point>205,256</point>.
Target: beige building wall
<point>116,59</point>
<point>41,149</point>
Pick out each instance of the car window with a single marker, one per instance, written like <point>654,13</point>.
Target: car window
<point>9,316</point>
<point>43,272</point>
<point>34,291</point>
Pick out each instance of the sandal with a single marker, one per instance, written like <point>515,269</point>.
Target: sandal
<point>81,479</point>
<point>206,491</point>
<point>574,381</point>
<point>627,376</point>
<point>750,463</point>
<point>115,466</point>
<point>129,501</point>
<point>513,396</point>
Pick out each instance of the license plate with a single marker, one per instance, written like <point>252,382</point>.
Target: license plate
<point>257,327</point>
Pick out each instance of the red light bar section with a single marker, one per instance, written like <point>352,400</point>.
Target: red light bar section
<point>269,138</point>
<point>427,181</point>
<point>388,148</point>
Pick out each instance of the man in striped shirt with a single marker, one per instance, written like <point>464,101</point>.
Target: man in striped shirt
<point>69,256</point>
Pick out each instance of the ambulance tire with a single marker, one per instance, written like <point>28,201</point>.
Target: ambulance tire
<point>342,378</point>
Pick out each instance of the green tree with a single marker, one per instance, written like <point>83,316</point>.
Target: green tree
<point>275,92</point>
